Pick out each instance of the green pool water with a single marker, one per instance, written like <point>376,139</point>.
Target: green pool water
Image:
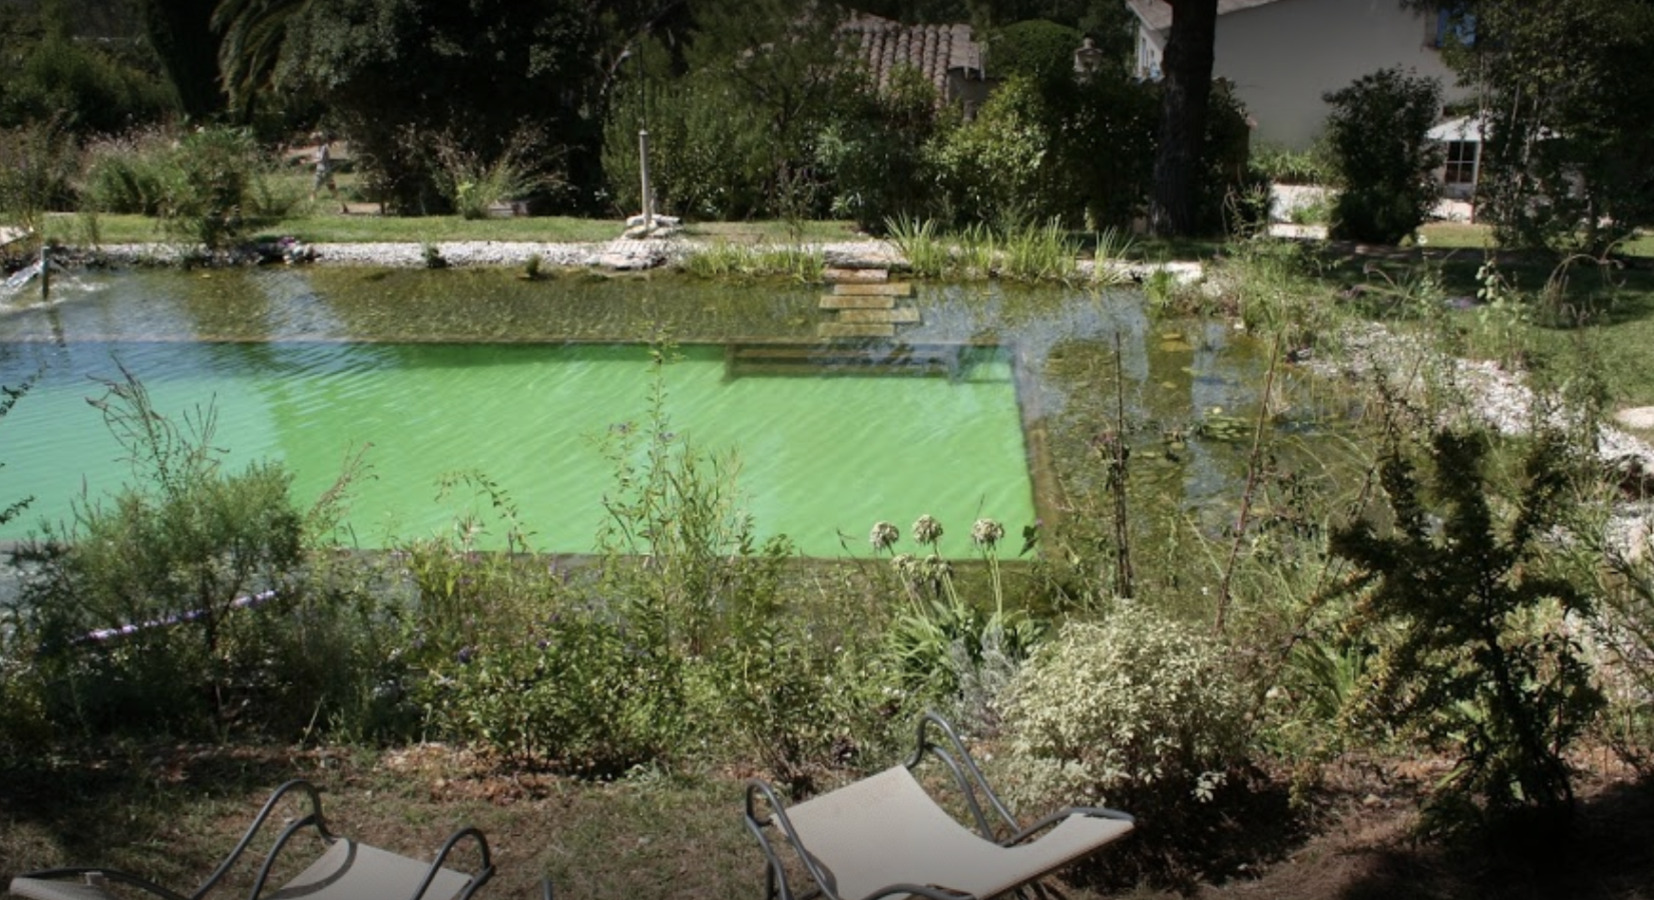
<point>821,458</point>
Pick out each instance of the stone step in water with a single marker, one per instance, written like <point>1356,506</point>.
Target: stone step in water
<point>875,289</point>
<point>906,315</point>
<point>855,329</point>
<point>843,356</point>
<point>836,301</point>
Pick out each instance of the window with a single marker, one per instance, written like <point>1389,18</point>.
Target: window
<point>1461,162</point>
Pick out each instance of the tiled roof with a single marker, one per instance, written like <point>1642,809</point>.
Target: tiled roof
<point>934,50</point>
<point>1157,14</point>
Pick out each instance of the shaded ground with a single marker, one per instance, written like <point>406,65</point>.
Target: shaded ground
<point>172,812</point>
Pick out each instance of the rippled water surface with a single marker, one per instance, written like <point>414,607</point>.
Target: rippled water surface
<point>497,387</point>
<point>430,374</point>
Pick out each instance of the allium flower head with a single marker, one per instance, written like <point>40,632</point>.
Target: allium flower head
<point>884,536</point>
<point>926,530</point>
<point>987,532</point>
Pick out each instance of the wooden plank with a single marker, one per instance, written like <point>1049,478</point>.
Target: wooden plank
<point>903,316</point>
<point>833,301</point>
<point>855,276</point>
<point>886,289</point>
<point>855,329</point>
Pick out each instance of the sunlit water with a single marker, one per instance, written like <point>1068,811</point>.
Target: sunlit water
<point>818,457</point>
<point>433,374</point>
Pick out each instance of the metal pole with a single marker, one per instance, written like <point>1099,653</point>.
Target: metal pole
<point>45,271</point>
<point>643,167</point>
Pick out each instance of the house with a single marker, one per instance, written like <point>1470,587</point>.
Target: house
<point>946,55</point>
<point>1284,55</point>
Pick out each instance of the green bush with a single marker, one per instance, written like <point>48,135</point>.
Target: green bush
<point>170,559</point>
<point>578,690</point>
<point>1376,130</point>
<point>209,185</point>
<point>36,168</point>
<point>1459,577</point>
<point>74,83</point>
<point>127,175</point>
<point>873,155</point>
<point>1134,711</point>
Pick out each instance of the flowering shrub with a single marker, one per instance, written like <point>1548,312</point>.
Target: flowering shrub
<point>1110,712</point>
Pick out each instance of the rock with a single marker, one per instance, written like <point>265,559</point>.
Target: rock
<point>1639,417</point>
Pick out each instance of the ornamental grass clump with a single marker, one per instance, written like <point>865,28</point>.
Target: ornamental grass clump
<point>1137,711</point>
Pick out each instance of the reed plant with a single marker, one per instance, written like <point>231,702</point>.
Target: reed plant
<point>927,253</point>
<point>1040,253</point>
<point>1108,258</point>
<point>725,259</point>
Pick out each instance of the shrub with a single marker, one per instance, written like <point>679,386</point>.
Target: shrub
<point>1479,659</point>
<point>208,185</point>
<point>36,165</point>
<point>873,155</point>
<point>127,174</point>
<point>577,689</point>
<point>168,560</point>
<point>1131,708</point>
<point>1377,130</point>
<point>472,184</point>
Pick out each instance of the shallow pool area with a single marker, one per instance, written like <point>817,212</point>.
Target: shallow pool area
<point>989,406</point>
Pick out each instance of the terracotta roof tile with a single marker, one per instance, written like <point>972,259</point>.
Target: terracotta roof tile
<point>934,50</point>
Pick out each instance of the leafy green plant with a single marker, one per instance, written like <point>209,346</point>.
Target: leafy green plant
<point>36,164</point>
<point>138,600</point>
<point>1136,711</point>
<point>473,184</point>
<point>946,648</point>
<point>927,255</point>
<point>725,259</point>
<point>1481,662</point>
<point>1039,253</point>
<point>1377,132</point>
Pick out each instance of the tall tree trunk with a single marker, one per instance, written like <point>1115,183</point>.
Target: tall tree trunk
<point>1184,93</point>
<point>180,31</point>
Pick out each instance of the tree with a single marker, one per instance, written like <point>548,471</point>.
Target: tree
<point>785,65</point>
<point>253,32</point>
<point>1568,113</point>
<point>398,75</point>
<point>181,33</point>
<point>1185,93</point>
<point>1378,132</point>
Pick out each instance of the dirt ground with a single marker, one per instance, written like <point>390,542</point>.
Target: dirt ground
<point>1361,845</point>
<point>173,813</point>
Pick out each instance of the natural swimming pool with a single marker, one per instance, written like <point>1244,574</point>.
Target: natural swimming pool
<point>437,373</point>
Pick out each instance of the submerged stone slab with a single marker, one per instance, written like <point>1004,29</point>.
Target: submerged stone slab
<point>885,289</point>
<point>903,316</point>
<point>855,329</point>
<point>836,301</point>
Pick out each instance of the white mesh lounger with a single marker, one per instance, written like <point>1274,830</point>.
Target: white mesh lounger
<point>346,869</point>
<point>884,836</point>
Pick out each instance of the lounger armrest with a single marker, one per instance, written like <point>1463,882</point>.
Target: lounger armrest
<point>478,878</point>
<point>314,817</point>
<point>115,875</point>
<point>967,775</point>
<point>1097,812</point>
<point>761,791</point>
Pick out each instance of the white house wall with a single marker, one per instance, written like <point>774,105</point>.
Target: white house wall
<point>1283,56</point>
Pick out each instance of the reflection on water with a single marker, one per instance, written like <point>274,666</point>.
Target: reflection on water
<point>434,372</point>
